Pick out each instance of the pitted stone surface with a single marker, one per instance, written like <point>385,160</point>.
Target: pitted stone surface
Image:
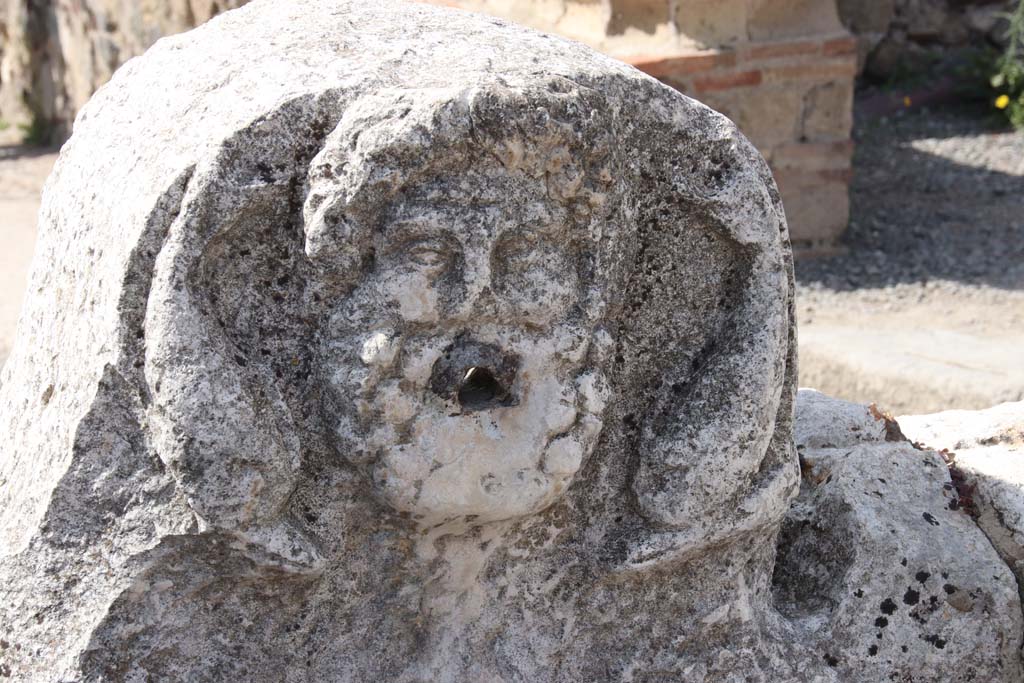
<point>880,565</point>
<point>987,448</point>
<point>375,341</point>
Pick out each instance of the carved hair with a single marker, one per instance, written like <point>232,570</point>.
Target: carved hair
<point>391,140</point>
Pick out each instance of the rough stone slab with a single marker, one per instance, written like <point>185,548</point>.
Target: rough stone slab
<point>987,447</point>
<point>827,422</point>
<point>890,578</point>
<point>963,430</point>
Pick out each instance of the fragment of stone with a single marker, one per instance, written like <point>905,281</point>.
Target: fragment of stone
<point>827,422</point>
<point>986,448</point>
<point>968,430</point>
<point>384,342</point>
<point>889,577</point>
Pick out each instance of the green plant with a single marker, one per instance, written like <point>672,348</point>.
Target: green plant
<point>1008,80</point>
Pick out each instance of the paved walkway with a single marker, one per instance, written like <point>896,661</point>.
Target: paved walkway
<point>919,349</point>
<point>925,309</point>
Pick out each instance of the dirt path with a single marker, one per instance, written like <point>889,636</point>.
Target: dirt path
<point>22,173</point>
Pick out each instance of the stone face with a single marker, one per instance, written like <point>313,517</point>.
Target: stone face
<point>888,574</point>
<point>385,342</point>
<point>377,341</point>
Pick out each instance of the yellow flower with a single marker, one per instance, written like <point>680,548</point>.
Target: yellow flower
<point>1002,102</point>
<point>907,101</point>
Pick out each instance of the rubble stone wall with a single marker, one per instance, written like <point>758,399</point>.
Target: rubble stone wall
<point>895,37</point>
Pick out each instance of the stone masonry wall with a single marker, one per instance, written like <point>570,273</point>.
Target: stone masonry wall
<point>897,37</point>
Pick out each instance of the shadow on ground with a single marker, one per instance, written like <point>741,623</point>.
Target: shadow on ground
<point>25,151</point>
<point>936,195</point>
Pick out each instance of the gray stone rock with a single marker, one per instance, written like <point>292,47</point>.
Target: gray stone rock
<point>987,448</point>
<point>827,422</point>
<point>375,341</point>
<point>393,343</point>
<point>889,577</point>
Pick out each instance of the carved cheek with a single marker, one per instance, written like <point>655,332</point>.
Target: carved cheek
<point>415,296</point>
<point>537,282</point>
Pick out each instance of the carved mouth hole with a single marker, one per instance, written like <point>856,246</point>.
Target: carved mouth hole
<point>480,390</point>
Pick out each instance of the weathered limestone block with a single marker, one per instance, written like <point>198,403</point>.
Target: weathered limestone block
<point>384,342</point>
<point>782,70</point>
<point>889,576</point>
<point>987,447</point>
<point>381,342</point>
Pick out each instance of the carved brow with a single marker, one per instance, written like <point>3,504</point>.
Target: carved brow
<point>403,234</point>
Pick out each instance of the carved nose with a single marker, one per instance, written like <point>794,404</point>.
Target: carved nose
<point>476,376</point>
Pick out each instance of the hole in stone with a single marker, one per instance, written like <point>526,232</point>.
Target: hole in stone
<point>479,389</point>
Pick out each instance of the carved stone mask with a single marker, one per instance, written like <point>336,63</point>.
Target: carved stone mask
<point>459,371</point>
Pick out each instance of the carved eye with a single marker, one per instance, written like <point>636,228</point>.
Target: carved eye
<point>518,254</point>
<point>429,253</point>
<point>529,256</point>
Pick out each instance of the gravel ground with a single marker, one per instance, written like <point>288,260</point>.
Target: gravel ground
<point>935,243</point>
<point>936,195</point>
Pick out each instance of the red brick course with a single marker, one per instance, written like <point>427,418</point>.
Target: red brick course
<point>683,65</point>
<point>777,50</point>
<point>846,45</point>
<point>829,71</point>
<point>727,81</point>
